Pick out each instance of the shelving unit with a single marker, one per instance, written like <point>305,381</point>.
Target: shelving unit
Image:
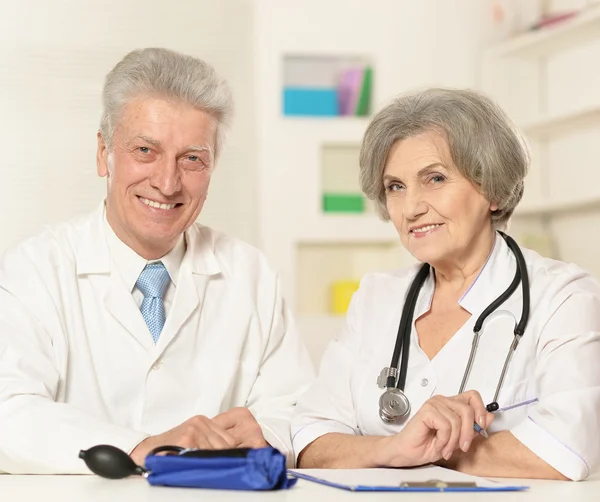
<point>544,80</point>
<point>553,125</point>
<point>577,30</point>
<point>586,203</point>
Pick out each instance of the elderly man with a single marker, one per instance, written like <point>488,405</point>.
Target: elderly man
<point>133,325</point>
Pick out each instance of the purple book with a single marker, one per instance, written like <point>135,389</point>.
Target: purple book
<point>349,90</point>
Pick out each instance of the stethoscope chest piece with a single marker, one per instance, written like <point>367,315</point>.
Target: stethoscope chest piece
<point>393,405</point>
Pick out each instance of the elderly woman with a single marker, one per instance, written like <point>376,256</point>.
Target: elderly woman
<point>447,168</point>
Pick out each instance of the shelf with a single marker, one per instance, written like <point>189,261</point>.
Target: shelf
<point>326,86</point>
<point>586,203</point>
<point>580,28</point>
<point>363,228</point>
<point>325,129</point>
<point>557,124</point>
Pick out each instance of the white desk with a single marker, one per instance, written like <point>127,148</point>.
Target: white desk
<point>135,489</point>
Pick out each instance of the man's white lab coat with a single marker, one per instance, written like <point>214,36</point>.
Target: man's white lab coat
<point>78,366</point>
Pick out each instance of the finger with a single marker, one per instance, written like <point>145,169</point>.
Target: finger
<point>208,437</point>
<point>228,436</point>
<point>439,424</point>
<point>466,415</point>
<point>454,420</point>
<point>226,420</point>
<point>489,417</point>
<point>473,399</point>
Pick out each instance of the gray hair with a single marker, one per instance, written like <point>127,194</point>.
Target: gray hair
<point>485,145</point>
<point>169,74</point>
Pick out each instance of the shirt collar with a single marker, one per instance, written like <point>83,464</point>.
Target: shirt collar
<point>130,264</point>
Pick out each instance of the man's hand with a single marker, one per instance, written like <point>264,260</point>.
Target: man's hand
<point>197,432</point>
<point>441,426</point>
<point>241,424</point>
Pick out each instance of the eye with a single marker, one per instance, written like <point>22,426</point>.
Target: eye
<point>144,149</point>
<point>394,187</point>
<point>437,178</point>
<point>193,158</point>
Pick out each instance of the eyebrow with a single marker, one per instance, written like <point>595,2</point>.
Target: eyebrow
<point>198,148</point>
<point>421,172</point>
<point>156,143</point>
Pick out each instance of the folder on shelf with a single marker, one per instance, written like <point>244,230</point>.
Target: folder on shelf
<point>420,479</point>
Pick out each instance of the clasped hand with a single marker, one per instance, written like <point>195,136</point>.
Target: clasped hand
<point>236,428</point>
<point>440,427</point>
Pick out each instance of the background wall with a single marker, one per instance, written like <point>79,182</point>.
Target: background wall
<point>267,188</point>
<point>410,44</point>
<point>53,59</point>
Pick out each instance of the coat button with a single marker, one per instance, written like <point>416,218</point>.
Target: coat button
<point>424,382</point>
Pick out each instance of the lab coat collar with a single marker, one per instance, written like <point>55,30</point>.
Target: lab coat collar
<point>493,279</point>
<point>93,256</point>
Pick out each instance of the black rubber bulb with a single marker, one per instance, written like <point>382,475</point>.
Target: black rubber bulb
<point>110,462</point>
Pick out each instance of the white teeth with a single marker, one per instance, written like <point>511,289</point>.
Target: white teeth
<point>424,229</point>
<point>157,205</point>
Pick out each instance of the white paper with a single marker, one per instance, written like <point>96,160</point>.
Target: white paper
<point>394,477</point>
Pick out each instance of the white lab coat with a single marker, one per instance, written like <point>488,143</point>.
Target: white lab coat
<point>556,366</point>
<point>78,366</point>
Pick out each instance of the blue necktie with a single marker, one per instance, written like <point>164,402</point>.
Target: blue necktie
<point>153,282</point>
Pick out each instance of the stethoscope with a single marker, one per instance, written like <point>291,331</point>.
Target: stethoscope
<point>393,403</point>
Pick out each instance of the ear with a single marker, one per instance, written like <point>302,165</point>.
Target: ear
<point>101,157</point>
<point>493,207</point>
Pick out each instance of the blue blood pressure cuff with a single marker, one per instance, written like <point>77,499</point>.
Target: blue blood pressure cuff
<point>237,469</point>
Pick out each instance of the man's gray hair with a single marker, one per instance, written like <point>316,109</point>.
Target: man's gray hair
<point>169,74</point>
<point>485,145</point>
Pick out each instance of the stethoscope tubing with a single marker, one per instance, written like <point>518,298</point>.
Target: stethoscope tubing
<point>401,348</point>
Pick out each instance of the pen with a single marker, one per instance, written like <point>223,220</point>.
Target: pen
<point>480,430</point>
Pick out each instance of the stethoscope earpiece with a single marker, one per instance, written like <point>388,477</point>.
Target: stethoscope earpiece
<point>492,407</point>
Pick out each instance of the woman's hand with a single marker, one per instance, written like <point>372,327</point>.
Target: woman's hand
<point>441,426</point>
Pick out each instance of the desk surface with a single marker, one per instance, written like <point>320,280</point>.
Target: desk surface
<point>135,489</point>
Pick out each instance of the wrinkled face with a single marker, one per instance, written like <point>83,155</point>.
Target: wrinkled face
<point>439,214</point>
<point>157,173</point>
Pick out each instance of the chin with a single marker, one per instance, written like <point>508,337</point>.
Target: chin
<point>428,255</point>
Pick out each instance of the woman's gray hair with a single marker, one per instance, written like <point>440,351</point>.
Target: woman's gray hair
<point>485,145</point>
<point>169,74</point>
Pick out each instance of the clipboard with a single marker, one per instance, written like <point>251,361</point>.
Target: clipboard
<point>420,479</point>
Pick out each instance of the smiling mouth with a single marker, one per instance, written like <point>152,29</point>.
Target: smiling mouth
<point>425,229</point>
<point>157,205</point>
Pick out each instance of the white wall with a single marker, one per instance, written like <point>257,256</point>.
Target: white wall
<point>412,44</point>
<point>53,58</point>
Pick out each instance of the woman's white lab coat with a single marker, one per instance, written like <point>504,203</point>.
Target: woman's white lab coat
<point>78,366</point>
<point>556,368</point>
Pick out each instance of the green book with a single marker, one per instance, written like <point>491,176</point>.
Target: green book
<point>343,203</point>
<point>364,99</point>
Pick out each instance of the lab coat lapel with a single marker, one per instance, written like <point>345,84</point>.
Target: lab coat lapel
<point>93,261</point>
<point>199,264</point>
<point>120,304</point>
<point>188,298</point>
<point>494,278</point>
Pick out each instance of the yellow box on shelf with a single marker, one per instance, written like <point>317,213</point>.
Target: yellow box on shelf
<point>341,294</point>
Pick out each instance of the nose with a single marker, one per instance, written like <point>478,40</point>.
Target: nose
<point>166,177</point>
<point>414,204</point>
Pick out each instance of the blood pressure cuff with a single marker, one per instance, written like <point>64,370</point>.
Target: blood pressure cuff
<point>237,469</point>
